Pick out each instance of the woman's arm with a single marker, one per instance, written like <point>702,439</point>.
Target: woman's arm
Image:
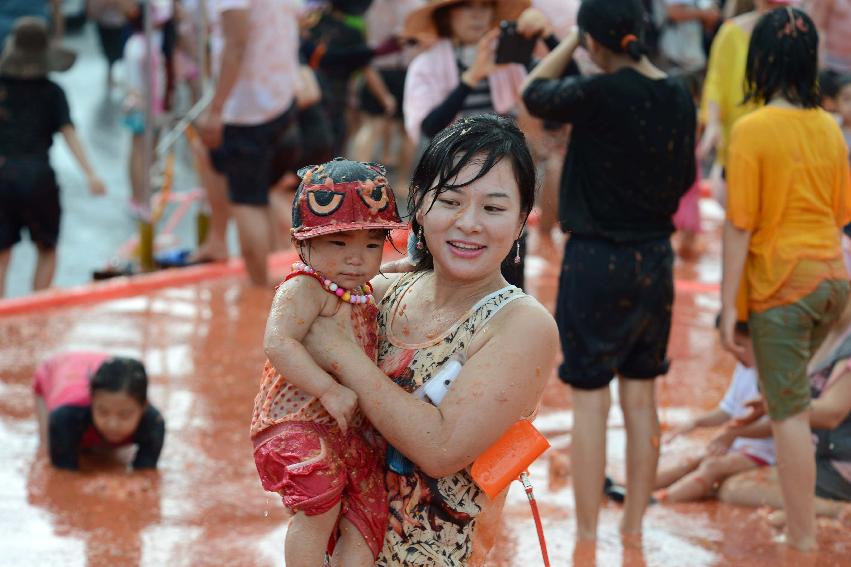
<point>832,407</point>
<point>501,382</point>
<point>554,64</point>
<point>297,306</point>
<point>555,90</point>
<point>444,113</point>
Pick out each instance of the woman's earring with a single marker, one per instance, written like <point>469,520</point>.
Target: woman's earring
<point>420,244</point>
<point>517,254</point>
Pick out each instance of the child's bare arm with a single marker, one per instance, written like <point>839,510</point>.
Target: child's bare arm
<point>96,186</point>
<point>710,419</point>
<point>713,418</point>
<point>296,306</point>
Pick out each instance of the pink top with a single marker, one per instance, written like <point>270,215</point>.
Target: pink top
<point>268,72</point>
<point>63,380</point>
<point>433,74</point>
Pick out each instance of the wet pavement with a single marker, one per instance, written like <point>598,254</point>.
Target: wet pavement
<point>93,229</point>
<point>202,346</point>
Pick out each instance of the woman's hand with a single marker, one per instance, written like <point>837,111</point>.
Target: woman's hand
<point>533,22</point>
<point>331,339</point>
<point>484,64</point>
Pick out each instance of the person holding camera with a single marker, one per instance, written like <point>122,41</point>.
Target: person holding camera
<point>458,75</point>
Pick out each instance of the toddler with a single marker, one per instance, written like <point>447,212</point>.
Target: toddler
<point>311,445</point>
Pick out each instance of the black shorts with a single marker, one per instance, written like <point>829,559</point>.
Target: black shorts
<point>394,79</point>
<point>29,199</point>
<point>245,158</point>
<point>614,310</point>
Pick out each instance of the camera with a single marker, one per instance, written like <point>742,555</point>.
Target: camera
<point>513,47</point>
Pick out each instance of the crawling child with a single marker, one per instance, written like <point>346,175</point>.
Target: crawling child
<point>311,444</point>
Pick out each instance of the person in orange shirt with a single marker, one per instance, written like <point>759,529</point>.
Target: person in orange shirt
<point>789,197</point>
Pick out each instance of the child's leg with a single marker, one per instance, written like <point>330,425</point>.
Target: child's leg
<point>638,402</point>
<point>591,411</point>
<point>307,538</point>
<point>45,267</point>
<point>351,549</point>
<point>5,257</point>
<point>671,473</point>
<point>712,470</point>
<point>137,168</point>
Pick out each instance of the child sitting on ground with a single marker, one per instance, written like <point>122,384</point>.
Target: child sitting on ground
<point>32,109</point>
<point>699,477</point>
<point>91,401</point>
<point>311,444</point>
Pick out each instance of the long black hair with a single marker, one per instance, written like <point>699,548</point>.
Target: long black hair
<point>483,140</point>
<point>616,24</point>
<point>783,59</point>
<point>121,374</point>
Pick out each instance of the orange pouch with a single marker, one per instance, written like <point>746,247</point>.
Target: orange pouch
<point>509,456</point>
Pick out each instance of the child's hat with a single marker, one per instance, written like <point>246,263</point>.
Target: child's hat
<point>29,54</point>
<point>343,195</point>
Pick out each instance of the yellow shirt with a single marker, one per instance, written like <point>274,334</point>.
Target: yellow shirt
<point>724,83</point>
<point>789,185</point>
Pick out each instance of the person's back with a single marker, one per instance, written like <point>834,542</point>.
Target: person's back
<point>266,82</point>
<point>631,157</point>
<point>796,159</point>
<point>31,112</point>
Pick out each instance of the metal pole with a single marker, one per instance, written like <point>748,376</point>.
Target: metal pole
<point>146,227</point>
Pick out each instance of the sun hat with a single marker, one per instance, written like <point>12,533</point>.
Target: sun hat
<point>343,195</point>
<point>29,54</point>
<point>421,20</point>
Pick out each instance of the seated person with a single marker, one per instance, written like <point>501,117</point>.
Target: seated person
<point>90,400</point>
<point>698,477</point>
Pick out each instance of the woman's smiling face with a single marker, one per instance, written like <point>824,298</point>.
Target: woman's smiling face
<point>470,230</point>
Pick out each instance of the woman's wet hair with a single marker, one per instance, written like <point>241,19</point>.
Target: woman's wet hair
<point>119,374</point>
<point>617,25</point>
<point>783,59</point>
<point>482,140</point>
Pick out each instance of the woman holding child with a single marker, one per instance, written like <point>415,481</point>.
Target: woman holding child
<point>470,196</point>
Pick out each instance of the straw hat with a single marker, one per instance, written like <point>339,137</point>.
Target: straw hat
<point>421,21</point>
<point>28,53</point>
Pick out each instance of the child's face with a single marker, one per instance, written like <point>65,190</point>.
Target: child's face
<point>745,341</point>
<point>348,259</point>
<point>843,105</point>
<point>116,415</point>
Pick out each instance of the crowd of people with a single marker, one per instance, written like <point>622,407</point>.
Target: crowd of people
<point>616,109</point>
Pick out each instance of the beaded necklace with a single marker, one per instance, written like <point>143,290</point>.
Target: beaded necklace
<point>359,295</point>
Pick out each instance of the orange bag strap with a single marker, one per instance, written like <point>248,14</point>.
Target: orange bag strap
<point>527,486</point>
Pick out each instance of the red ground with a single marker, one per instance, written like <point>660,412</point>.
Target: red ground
<point>202,346</point>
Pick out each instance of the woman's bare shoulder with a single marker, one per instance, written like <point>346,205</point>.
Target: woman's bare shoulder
<point>524,320</point>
